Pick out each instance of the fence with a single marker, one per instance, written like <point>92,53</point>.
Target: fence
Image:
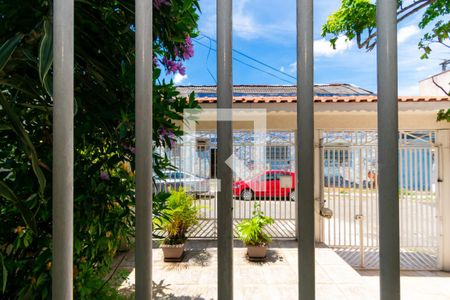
<point>260,170</point>
<point>63,65</point>
<point>349,188</point>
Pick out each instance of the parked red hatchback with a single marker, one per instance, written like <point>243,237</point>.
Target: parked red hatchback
<point>270,184</point>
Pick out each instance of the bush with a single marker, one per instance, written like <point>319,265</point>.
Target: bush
<point>104,134</point>
<point>178,217</point>
<point>251,231</point>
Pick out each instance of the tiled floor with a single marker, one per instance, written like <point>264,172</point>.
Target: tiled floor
<point>196,276</point>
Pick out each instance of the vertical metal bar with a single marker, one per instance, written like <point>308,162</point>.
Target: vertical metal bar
<point>361,181</point>
<point>296,169</point>
<point>144,129</point>
<point>305,164</point>
<point>402,196</point>
<point>388,149</point>
<point>420,216</point>
<point>344,196</point>
<point>321,187</point>
<point>370,211</point>
<point>224,151</point>
<point>63,56</point>
<point>416,193</point>
<point>428,199</point>
<point>410,200</point>
<point>329,197</point>
<point>339,200</point>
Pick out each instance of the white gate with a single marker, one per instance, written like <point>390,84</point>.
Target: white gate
<point>194,160</point>
<point>349,189</point>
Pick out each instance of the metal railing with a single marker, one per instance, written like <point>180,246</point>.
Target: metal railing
<point>350,188</point>
<point>63,149</point>
<point>195,169</point>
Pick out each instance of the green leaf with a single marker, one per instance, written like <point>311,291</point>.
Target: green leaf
<point>26,141</point>
<point>8,48</point>
<point>26,213</point>
<point>46,57</point>
<point>4,127</point>
<point>4,274</point>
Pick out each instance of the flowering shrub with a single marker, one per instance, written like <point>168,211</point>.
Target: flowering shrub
<point>104,134</point>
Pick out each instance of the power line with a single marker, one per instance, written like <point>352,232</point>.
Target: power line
<point>206,63</point>
<point>253,59</point>
<point>244,63</point>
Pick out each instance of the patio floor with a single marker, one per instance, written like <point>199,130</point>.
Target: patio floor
<point>196,276</point>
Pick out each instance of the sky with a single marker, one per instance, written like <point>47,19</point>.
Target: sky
<point>265,30</point>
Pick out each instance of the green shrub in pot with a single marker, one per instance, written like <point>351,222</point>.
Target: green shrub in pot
<point>178,216</point>
<point>251,232</point>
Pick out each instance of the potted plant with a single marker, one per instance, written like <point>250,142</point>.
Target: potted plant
<point>251,232</point>
<point>177,217</point>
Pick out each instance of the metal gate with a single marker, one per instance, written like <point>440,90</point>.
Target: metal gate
<point>349,188</point>
<point>194,168</point>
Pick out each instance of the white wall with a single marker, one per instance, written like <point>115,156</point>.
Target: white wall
<point>428,88</point>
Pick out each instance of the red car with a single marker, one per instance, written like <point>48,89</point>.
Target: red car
<point>266,185</point>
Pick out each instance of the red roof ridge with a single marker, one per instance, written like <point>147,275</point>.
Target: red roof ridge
<point>323,99</point>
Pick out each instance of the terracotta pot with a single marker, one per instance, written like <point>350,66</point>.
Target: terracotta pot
<point>257,251</point>
<point>172,251</point>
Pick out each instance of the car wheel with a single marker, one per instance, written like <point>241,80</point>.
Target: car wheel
<point>292,195</point>
<point>247,195</point>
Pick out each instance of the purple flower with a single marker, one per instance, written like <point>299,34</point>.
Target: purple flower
<point>175,50</point>
<point>181,69</point>
<point>158,3</point>
<point>173,66</point>
<point>104,176</point>
<point>155,61</point>
<point>125,146</point>
<point>188,48</point>
<point>132,150</point>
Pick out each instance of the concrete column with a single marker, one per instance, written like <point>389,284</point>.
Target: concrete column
<point>224,150</point>
<point>305,150</point>
<point>387,106</point>
<point>443,190</point>
<point>144,130</point>
<point>63,49</point>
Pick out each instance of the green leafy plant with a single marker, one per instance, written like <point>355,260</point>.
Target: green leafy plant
<point>104,137</point>
<point>179,215</point>
<point>251,231</point>
<point>356,19</point>
<point>443,115</point>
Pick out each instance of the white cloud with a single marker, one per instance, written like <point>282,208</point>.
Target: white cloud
<point>247,25</point>
<point>251,21</point>
<point>421,68</point>
<point>323,47</point>
<point>178,78</point>
<point>292,68</point>
<point>405,33</point>
<point>408,90</point>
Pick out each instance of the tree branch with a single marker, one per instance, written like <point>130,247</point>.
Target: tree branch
<point>439,42</point>
<point>428,2</point>
<point>403,9</point>
<point>439,86</point>
<point>412,8</point>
